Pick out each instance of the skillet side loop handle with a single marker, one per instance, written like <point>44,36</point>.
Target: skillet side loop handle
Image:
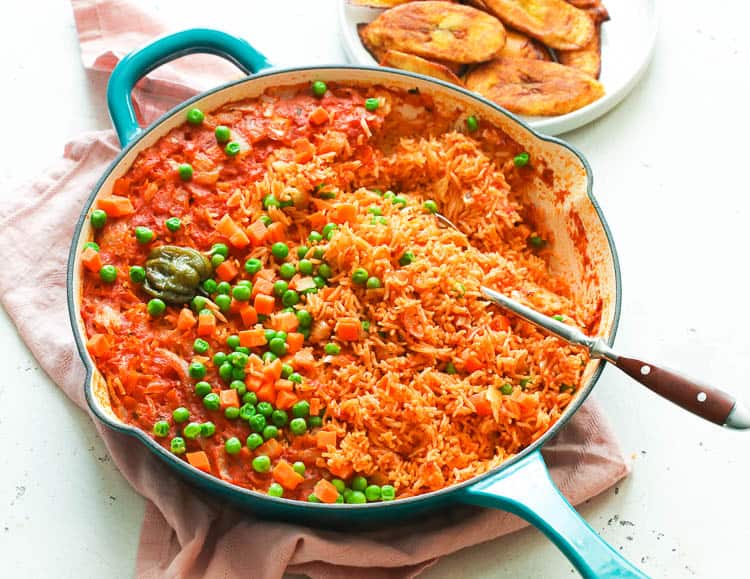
<point>701,399</point>
<point>526,489</point>
<point>139,63</point>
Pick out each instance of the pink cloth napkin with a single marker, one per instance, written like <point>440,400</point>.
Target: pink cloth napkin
<point>183,534</point>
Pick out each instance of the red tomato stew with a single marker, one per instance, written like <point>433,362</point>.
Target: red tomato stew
<point>269,294</point>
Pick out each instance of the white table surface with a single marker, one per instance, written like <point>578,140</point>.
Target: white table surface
<point>669,165</point>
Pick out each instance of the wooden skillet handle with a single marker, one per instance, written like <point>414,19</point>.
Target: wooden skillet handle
<point>700,399</point>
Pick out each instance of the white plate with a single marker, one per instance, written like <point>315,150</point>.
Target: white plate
<point>628,40</point>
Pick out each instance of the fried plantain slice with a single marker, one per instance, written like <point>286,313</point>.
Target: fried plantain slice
<point>436,30</point>
<point>413,63</point>
<point>383,3</point>
<point>593,8</point>
<point>521,46</point>
<point>533,87</point>
<point>376,52</point>
<point>556,23</point>
<point>588,59</point>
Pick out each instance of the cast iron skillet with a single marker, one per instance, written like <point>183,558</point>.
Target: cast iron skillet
<point>520,485</point>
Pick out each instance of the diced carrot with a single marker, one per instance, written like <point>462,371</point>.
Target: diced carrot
<point>294,342</point>
<point>129,402</point>
<point>340,467</point>
<point>285,321</point>
<point>121,186</point>
<point>317,220</point>
<point>267,393</point>
<point>252,338</point>
<point>235,306</point>
<point>286,476</point>
<point>272,371</point>
<point>206,177</point>
<point>226,271</point>
<point>253,383</point>
<point>275,232</point>
<point>272,448</point>
<point>99,344</point>
<point>473,363</point>
<point>235,199</point>
<point>262,286</point>
<point>239,239</point>
<point>314,406</point>
<point>481,403</point>
<point>344,212</point>
<point>319,116</point>
<point>249,315</point>
<point>186,319</point>
<point>347,330</point>
<point>325,438</point>
<point>206,324</point>
<point>199,460</point>
<point>325,491</point>
<point>116,206</point>
<point>172,396</point>
<point>303,150</point>
<point>257,232</point>
<point>283,385</point>
<point>285,400</point>
<point>226,226</point>
<point>264,304</point>
<point>91,259</point>
<point>500,322</point>
<point>229,398</point>
<point>304,359</point>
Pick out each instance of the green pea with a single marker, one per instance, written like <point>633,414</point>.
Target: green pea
<point>177,445</point>
<point>223,288</point>
<point>180,414</point>
<point>332,349</point>
<point>387,493</point>
<point>254,441</point>
<point>217,260</point>
<point>311,498</point>
<point>279,418</point>
<point>430,206</point>
<point>202,388</point>
<point>238,359</point>
<point>232,149</point>
<point>137,274</point>
<point>365,325</point>
<point>198,303</point>
<point>242,293</point>
<point>250,398</point>
<point>373,283</point>
<point>280,250</point>
<point>301,409</point>
<point>209,286</point>
<point>197,370</point>
<point>265,219</point>
<point>315,422</point>
<point>257,422</point>
<point>406,258</point>
<point>173,223</point>
<point>143,235</point>
<point>287,270</point>
<point>265,408</point>
<point>238,373</point>
<point>314,237</point>
<point>279,287</point>
<point>253,266</point>
<point>245,283</point>
<point>372,493</point>
<point>359,483</point>
<point>156,307</point>
<point>223,301</point>
<point>275,490</point>
<point>192,430</point>
<point>558,317</point>
<point>222,134</point>
<point>98,218</point>
<point>302,252</point>
<point>372,104</point>
<point>319,282</point>
<point>185,171</point>
<point>356,498</point>
<point>290,298</point>
<point>339,484</point>
<point>195,116</point>
<point>208,429</point>
<point>225,370</point>
<point>233,445</point>
<point>212,401</point>
<point>238,385</point>
<point>299,467</point>
<point>231,412</point>
<point>247,411</point>
<point>305,267</point>
<point>161,428</point>
<point>450,368</point>
<point>472,123</point>
<point>319,88</point>
<point>325,271</point>
<point>200,346</point>
<point>506,389</point>
<point>304,318</point>
<point>270,201</point>
<point>261,463</point>
<point>298,426</point>
<point>328,230</point>
<point>268,357</point>
<point>295,377</point>
<point>359,276</point>
<point>521,160</point>
<point>536,242</point>
<point>108,273</point>
<point>92,244</point>
<point>270,431</point>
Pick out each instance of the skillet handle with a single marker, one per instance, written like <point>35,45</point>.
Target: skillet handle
<point>139,63</point>
<point>526,489</point>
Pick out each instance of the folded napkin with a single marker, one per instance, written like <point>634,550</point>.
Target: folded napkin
<point>183,534</point>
